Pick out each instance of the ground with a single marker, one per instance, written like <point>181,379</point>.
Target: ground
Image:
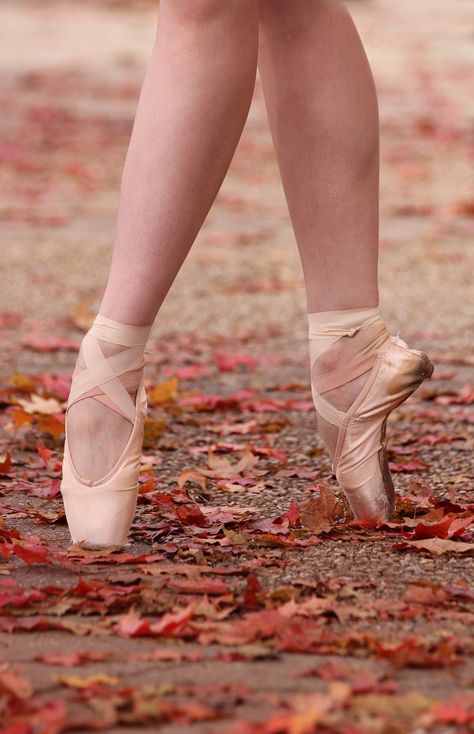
<point>248,601</point>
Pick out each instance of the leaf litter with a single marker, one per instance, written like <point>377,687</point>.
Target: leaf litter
<point>249,599</point>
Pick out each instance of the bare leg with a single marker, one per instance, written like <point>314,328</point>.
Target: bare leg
<point>323,114</point>
<point>192,108</point>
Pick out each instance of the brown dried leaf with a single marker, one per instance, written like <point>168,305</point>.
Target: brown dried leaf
<point>321,513</point>
<point>436,546</point>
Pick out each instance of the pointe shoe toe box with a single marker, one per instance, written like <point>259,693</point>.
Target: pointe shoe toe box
<point>361,464</point>
<point>99,512</point>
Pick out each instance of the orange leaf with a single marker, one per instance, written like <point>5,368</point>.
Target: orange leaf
<point>164,391</point>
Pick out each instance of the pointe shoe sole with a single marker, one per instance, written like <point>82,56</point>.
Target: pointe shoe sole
<point>100,512</point>
<point>360,462</point>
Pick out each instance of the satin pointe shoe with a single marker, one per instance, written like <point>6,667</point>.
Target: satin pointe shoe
<point>99,512</point>
<point>356,437</point>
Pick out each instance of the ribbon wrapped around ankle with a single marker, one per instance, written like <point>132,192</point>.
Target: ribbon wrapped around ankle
<point>127,335</point>
<point>110,375</point>
<point>325,329</point>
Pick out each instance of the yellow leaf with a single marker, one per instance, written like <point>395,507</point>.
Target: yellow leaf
<point>153,429</point>
<point>84,682</point>
<point>167,390</point>
<point>83,315</point>
<point>21,381</point>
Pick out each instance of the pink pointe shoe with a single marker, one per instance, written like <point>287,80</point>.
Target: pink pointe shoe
<point>99,512</point>
<point>356,438</point>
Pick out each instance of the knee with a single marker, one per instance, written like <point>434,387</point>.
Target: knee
<point>197,12</point>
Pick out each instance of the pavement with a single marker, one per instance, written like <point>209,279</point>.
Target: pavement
<point>384,638</point>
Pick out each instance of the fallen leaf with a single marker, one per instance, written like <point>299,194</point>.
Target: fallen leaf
<point>6,464</point>
<point>164,391</point>
<point>88,681</point>
<point>37,404</point>
<point>321,513</point>
<point>436,546</point>
<point>48,343</point>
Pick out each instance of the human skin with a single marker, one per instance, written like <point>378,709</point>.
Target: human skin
<point>192,109</point>
<point>323,115</point>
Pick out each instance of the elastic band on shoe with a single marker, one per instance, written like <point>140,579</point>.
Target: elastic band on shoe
<point>341,323</point>
<point>127,335</point>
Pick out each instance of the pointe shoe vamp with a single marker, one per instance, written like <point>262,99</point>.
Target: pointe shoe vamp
<point>396,375</point>
<point>126,466</point>
<point>101,511</point>
<point>102,514</point>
